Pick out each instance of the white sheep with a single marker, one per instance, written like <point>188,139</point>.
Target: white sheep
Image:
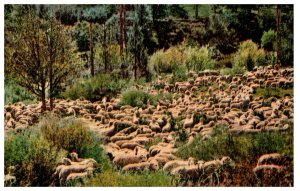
<point>273,158</point>
<point>122,160</point>
<point>169,166</point>
<point>151,165</point>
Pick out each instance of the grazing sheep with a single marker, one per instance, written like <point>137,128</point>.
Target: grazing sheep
<point>260,170</point>
<point>273,158</point>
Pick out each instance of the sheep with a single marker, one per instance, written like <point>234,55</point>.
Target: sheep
<point>189,122</point>
<point>130,145</point>
<point>151,165</point>
<point>169,166</point>
<point>80,175</point>
<point>122,160</point>
<point>273,158</point>
<point>120,138</point>
<point>76,168</point>
<point>260,170</point>
<point>9,178</point>
<point>167,127</point>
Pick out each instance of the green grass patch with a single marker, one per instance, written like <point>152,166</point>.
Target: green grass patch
<point>111,178</point>
<point>271,92</point>
<point>139,98</point>
<point>95,88</point>
<point>15,93</point>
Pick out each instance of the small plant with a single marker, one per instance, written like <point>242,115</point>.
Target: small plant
<point>135,98</point>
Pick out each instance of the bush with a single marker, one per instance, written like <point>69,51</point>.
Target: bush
<point>182,57</point>
<point>95,88</point>
<point>33,156</point>
<point>166,61</point>
<point>198,59</point>
<point>71,135</point>
<point>268,40</point>
<point>36,152</point>
<point>248,56</point>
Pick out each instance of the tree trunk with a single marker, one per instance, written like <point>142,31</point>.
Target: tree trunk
<point>91,49</point>
<point>121,30</point>
<point>43,97</point>
<point>196,12</point>
<point>105,48</point>
<point>124,27</point>
<point>278,18</point>
<point>51,89</point>
<point>135,67</point>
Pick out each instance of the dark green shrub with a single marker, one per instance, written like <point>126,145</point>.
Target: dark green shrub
<point>268,40</point>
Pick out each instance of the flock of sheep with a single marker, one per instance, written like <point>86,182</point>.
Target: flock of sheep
<point>128,130</point>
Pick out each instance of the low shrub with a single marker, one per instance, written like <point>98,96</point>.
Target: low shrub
<point>71,135</point>
<point>179,75</point>
<point>35,152</point>
<point>166,61</point>
<point>95,88</point>
<point>33,156</point>
<point>182,57</point>
<point>198,59</point>
<point>248,56</point>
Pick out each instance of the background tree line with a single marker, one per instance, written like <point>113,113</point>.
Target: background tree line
<point>48,46</point>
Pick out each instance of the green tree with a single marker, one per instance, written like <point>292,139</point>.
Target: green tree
<point>141,20</point>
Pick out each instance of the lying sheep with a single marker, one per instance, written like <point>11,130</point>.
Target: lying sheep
<point>152,165</point>
<point>122,160</point>
<point>169,166</point>
<point>80,175</point>
<point>76,168</point>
